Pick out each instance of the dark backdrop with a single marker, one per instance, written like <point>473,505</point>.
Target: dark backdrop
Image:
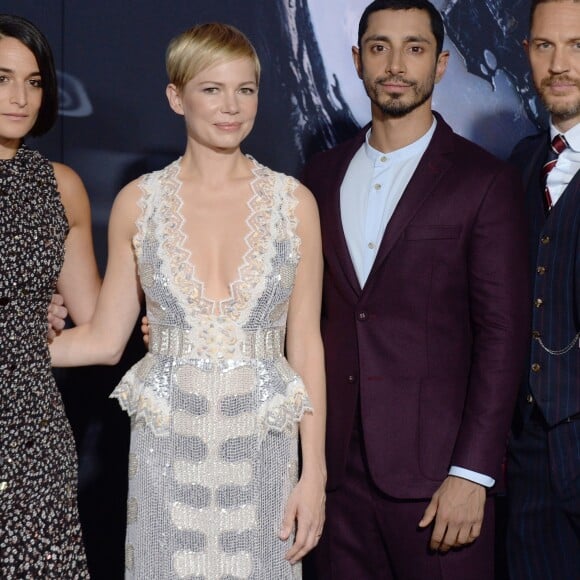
<point>115,124</point>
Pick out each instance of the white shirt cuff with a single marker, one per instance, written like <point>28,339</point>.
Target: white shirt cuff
<point>474,476</point>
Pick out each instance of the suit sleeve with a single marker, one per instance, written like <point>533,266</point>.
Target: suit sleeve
<point>499,296</point>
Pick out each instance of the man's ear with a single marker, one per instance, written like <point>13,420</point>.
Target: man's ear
<point>441,67</point>
<point>174,98</point>
<point>357,61</point>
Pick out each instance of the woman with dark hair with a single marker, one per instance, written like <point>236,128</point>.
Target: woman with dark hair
<point>45,244</point>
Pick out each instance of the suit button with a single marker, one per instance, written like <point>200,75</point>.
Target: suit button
<point>529,398</point>
<point>538,302</point>
<point>545,240</point>
<point>351,379</point>
<point>362,316</point>
<point>4,300</point>
<point>541,270</point>
<point>536,368</point>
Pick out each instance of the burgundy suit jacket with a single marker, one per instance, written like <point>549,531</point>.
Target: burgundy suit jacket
<point>433,346</point>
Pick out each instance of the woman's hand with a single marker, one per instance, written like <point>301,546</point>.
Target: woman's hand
<point>145,330</point>
<point>305,510</point>
<point>57,314</point>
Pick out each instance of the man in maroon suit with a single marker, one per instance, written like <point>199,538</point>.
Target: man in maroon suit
<point>425,320</point>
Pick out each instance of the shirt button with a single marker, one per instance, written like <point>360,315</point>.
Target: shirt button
<point>545,240</point>
<point>541,270</point>
<point>536,368</point>
<point>538,302</point>
<point>383,158</point>
<point>371,246</point>
<point>377,186</point>
<point>362,316</point>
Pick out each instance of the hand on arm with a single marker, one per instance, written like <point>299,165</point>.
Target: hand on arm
<point>57,314</point>
<point>102,339</point>
<point>145,330</point>
<point>305,507</point>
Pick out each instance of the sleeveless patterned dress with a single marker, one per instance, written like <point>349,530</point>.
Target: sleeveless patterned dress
<point>215,406</point>
<point>40,534</point>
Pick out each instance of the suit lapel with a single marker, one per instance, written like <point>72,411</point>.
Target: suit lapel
<point>335,246</point>
<point>532,180</point>
<point>433,165</point>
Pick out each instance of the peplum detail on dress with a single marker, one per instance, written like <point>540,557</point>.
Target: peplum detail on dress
<point>145,390</point>
<point>141,399</point>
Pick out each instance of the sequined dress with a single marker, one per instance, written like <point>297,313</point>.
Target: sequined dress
<point>40,534</point>
<point>215,405</point>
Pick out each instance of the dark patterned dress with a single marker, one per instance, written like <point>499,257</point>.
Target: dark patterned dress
<point>40,534</point>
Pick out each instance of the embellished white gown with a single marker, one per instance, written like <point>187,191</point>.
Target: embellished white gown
<point>214,404</point>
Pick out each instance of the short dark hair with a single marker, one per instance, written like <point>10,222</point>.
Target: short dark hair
<point>535,4</point>
<point>23,30</point>
<point>437,26</point>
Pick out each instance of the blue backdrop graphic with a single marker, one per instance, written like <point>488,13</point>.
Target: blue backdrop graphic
<point>115,124</point>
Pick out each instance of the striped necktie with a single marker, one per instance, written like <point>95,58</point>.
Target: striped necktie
<point>556,147</point>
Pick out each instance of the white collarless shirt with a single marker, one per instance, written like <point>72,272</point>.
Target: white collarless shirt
<point>371,189</point>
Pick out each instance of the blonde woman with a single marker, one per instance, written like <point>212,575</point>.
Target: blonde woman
<point>228,256</point>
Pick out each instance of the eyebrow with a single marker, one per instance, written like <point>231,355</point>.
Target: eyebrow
<point>539,38</point>
<point>410,38</point>
<point>9,70</point>
<point>248,82</point>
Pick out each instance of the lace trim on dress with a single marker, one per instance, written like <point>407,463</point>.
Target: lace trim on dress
<point>282,413</point>
<point>146,207</point>
<point>142,402</point>
<point>256,262</point>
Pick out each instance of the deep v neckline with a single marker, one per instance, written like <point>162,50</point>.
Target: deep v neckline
<point>252,263</point>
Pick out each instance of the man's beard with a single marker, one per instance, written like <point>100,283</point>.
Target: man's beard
<point>394,106</point>
<point>559,111</point>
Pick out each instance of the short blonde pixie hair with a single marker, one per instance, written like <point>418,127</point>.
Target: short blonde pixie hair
<point>204,46</point>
